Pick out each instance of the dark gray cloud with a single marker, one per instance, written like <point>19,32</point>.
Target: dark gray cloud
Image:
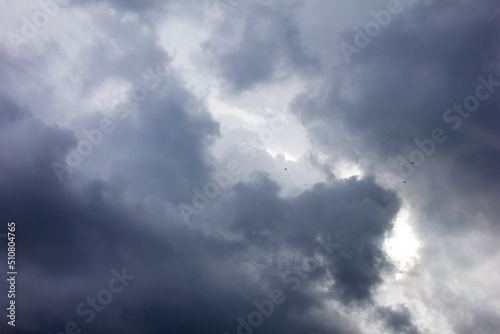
<point>388,102</point>
<point>76,232</point>
<point>398,89</point>
<point>11,112</point>
<point>268,48</point>
<point>170,131</point>
<point>397,320</point>
<point>320,247</point>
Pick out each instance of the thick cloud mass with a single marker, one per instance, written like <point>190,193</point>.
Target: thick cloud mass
<point>78,232</point>
<point>268,47</point>
<point>399,89</point>
<point>397,320</point>
<point>236,173</point>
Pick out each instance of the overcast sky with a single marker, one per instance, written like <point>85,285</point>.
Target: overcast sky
<point>251,166</point>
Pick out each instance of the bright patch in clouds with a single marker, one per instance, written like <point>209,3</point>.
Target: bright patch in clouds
<point>402,245</point>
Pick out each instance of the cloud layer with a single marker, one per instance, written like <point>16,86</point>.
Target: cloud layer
<point>224,167</point>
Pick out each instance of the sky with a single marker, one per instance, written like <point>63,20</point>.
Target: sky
<point>250,166</point>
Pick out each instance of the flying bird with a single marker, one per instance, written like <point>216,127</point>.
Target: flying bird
<point>286,168</point>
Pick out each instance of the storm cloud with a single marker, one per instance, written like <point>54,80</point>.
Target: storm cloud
<point>226,167</point>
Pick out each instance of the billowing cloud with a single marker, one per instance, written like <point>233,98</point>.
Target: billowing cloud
<point>251,167</point>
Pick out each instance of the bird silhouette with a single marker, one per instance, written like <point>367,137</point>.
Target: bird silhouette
<point>286,168</point>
